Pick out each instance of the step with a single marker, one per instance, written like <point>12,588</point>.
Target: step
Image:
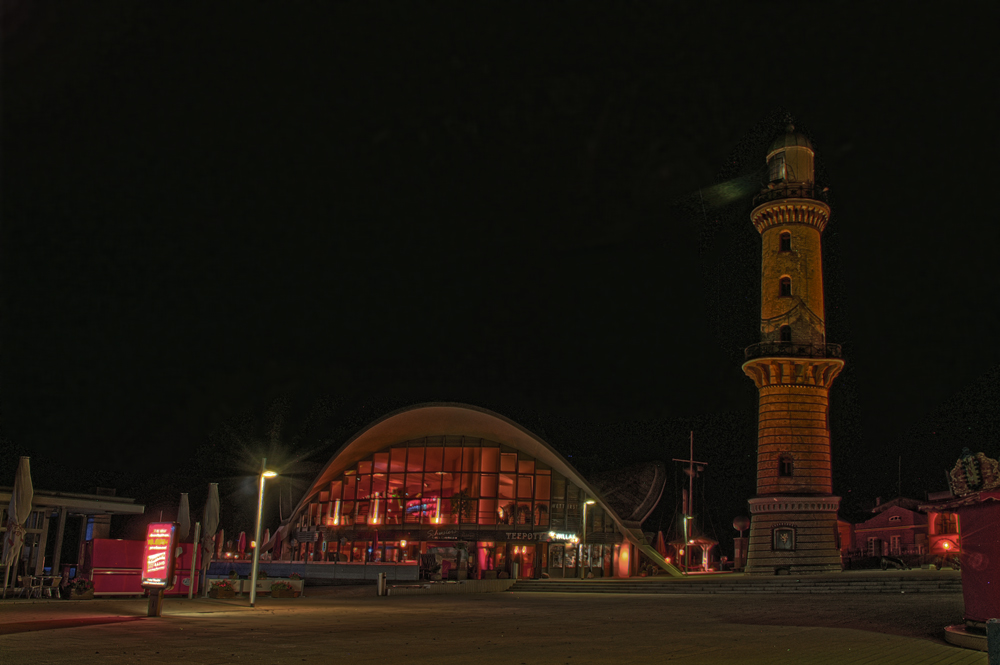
<point>743,587</point>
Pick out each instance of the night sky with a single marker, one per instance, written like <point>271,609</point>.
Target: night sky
<point>236,230</point>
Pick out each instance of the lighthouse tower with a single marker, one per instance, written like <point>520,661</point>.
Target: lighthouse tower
<point>794,513</point>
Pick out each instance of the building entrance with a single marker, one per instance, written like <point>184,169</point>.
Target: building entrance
<point>523,555</point>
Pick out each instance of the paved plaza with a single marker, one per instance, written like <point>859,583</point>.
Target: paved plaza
<point>352,625</point>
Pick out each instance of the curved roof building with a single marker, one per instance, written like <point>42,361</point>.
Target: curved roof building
<point>461,492</point>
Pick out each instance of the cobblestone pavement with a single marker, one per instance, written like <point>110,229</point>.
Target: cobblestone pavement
<point>352,625</point>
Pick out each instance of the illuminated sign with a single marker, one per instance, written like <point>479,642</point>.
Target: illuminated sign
<point>555,535</point>
<point>158,555</point>
<point>425,507</point>
<point>525,535</point>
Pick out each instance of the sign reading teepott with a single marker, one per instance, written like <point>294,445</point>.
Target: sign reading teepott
<point>158,555</point>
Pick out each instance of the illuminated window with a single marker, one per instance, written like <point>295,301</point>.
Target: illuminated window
<point>776,168</point>
<point>786,333</point>
<point>785,287</point>
<point>786,241</point>
<point>436,482</point>
<point>785,466</point>
<point>947,523</point>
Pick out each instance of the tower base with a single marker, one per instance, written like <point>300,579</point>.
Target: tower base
<point>795,535</point>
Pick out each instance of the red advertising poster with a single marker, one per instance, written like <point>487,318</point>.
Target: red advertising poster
<point>158,555</point>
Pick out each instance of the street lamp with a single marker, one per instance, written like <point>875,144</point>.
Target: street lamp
<point>264,475</point>
<point>588,502</point>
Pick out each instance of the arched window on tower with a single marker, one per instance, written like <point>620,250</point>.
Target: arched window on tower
<point>785,466</point>
<point>786,333</point>
<point>786,241</point>
<point>785,286</point>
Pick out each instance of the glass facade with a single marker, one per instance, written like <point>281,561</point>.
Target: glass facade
<point>474,504</point>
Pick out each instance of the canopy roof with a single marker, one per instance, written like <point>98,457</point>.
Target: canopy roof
<point>80,504</point>
<point>961,502</point>
<point>443,419</point>
<point>633,491</point>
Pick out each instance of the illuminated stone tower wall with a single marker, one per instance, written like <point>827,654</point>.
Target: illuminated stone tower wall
<point>794,514</point>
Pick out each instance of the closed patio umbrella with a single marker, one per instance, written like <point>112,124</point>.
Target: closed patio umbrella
<point>242,546</point>
<point>661,545</point>
<point>183,518</point>
<point>209,523</point>
<point>17,514</point>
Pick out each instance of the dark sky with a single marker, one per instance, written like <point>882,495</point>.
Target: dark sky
<point>216,214</point>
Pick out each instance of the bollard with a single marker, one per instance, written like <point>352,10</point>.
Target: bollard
<point>993,641</point>
<point>380,585</point>
<point>155,607</point>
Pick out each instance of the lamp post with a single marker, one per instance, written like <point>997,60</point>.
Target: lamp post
<point>264,475</point>
<point>588,502</point>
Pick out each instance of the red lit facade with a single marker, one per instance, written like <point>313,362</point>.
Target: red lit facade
<point>896,531</point>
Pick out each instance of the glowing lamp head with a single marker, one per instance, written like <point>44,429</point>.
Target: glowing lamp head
<point>402,543</point>
<point>946,545</point>
<point>270,474</point>
<point>590,502</point>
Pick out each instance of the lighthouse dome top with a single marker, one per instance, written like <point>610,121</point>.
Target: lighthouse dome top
<point>791,138</point>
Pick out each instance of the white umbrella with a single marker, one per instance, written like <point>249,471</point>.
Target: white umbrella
<point>17,514</point>
<point>209,523</point>
<point>183,518</point>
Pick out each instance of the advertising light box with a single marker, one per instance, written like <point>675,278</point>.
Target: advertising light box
<point>158,555</point>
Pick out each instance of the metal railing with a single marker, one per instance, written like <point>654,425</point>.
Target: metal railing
<point>885,549</point>
<point>791,190</point>
<point>792,350</point>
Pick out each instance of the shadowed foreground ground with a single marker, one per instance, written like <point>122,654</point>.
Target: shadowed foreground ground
<point>351,625</point>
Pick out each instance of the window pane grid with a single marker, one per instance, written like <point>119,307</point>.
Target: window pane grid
<point>451,483</point>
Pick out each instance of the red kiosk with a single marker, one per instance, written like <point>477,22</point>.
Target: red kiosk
<point>975,484</point>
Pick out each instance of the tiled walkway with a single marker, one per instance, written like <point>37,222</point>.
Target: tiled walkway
<point>351,625</point>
